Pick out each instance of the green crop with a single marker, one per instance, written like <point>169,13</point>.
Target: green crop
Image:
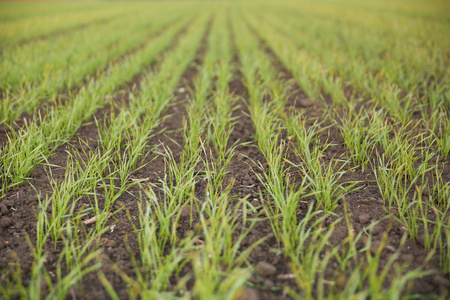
<point>225,150</point>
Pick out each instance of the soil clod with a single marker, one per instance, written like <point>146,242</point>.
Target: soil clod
<point>265,269</point>
<point>5,222</point>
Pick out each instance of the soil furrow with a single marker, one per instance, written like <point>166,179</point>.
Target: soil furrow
<point>221,160</point>
<point>243,169</point>
<point>20,199</point>
<point>365,205</point>
<point>349,93</point>
<point>169,130</point>
<point>166,134</point>
<point>88,132</point>
<point>65,95</point>
<point>65,31</point>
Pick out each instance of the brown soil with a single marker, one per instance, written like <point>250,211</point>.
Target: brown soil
<point>65,94</point>
<point>17,209</point>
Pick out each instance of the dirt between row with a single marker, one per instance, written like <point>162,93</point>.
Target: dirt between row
<point>66,94</point>
<point>365,205</point>
<point>272,269</point>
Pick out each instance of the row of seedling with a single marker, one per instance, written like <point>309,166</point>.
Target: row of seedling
<point>297,206</point>
<point>35,142</point>
<point>36,76</point>
<point>81,203</point>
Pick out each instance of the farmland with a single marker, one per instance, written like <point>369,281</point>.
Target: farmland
<point>225,150</point>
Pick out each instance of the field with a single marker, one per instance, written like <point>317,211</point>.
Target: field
<point>225,150</point>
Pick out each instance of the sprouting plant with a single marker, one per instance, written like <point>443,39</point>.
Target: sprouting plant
<point>359,140</point>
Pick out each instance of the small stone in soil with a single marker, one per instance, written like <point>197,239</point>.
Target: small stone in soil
<point>377,229</point>
<point>421,239</point>
<point>19,225</point>
<point>3,209</point>
<point>111,243</point>
<point>32,199</point>
<point>374,247</point>
<point>268,283</point>
<point>253,239</point>
<point>441,281</point>
<point>408,257</point>
<point>364,219</point>
<point>247,294</point>
<point>8,203</point>
<point>5,222</point>
<point>305,102</point>
<point>255,203</point>
<point>340,233</point>
<point>257,251</point>
<point>265,269</point>
<point>186,211</point>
